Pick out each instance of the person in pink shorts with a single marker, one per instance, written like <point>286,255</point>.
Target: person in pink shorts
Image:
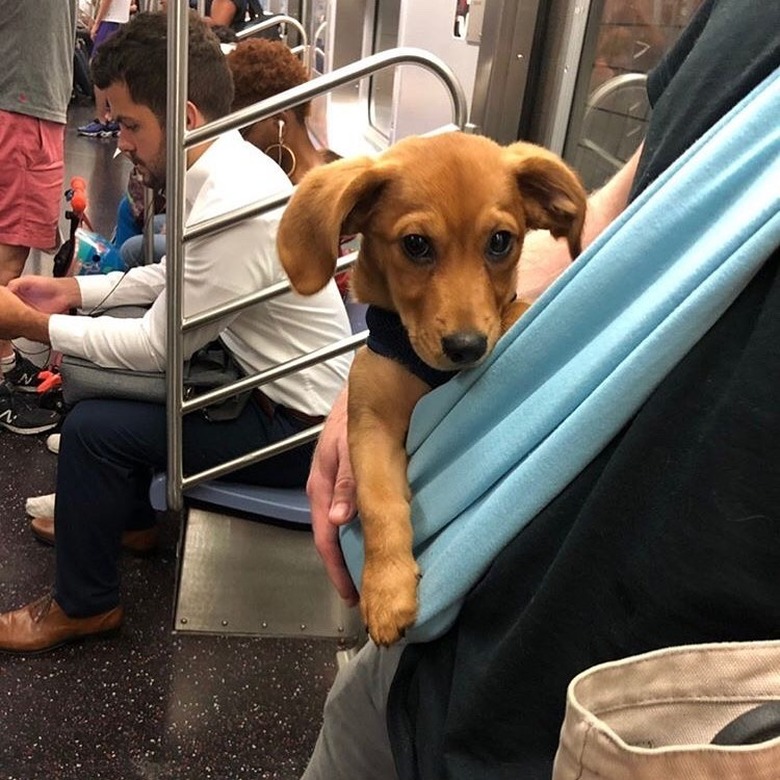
<point>34,95</point>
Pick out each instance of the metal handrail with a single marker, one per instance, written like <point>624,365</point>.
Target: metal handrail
<point>405,55</point>
<point>273,21</point>
<point>318,32</point>
<point>313,50</point>
<point>178,141</point>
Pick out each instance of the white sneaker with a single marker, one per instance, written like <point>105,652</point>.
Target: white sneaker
<point>53,443</point>
<point>40,506</point>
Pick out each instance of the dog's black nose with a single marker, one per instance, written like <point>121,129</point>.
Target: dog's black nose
<point>464,348</point>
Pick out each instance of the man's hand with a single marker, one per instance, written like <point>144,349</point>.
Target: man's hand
<point>331,491</point>
<point>53,296</point>
<point>18,319</point>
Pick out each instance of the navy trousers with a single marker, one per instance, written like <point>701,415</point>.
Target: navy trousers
<point>109,452</point>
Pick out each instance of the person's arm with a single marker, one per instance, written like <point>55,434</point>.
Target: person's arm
<point>100,14</point>
<point>331,491</point>
<point>18,319</point>
<point>135,343</point>
<point>545,258</point>
<point>222,13</point>
<point>35,310</point>
<point>46,294</point>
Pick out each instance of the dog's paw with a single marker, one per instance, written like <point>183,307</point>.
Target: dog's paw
<point>388,600</point>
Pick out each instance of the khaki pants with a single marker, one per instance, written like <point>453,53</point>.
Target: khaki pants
<point>353,743</point>
<point>653,716</point>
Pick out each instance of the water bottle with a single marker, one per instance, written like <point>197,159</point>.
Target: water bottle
<point>95,254</point>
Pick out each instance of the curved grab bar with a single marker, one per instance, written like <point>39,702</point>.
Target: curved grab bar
<point>319,30</point>
<point>611,86</point>
<point>403,55</point>
<point>273,21</point>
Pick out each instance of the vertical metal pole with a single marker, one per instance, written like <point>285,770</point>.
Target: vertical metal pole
<point>576,24</point>
<point>178,37</point>
<point>148,245</point>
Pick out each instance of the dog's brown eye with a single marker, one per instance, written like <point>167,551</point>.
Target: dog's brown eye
<point>417,248</point>
<point>500,244</point>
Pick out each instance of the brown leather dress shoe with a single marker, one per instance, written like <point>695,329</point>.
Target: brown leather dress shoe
<point>42,625</point>
<point>143,542</point>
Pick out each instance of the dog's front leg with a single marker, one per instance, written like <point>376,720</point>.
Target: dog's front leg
<point>512,313</point>
<point>382,395</point>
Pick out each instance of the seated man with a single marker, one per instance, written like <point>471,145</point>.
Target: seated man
<point>109,449</point>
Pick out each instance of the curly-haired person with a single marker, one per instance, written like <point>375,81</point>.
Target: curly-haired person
<point>262,69</point>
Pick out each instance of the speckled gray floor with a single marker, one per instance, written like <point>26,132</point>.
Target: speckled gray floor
<point>149,704</point>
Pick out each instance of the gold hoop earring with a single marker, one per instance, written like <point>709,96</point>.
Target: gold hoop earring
<point>278,150</point>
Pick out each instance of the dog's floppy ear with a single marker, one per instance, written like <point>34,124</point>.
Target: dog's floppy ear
<point>553,195</point>
<point>321,209</point>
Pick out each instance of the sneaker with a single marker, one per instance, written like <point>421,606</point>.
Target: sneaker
<point>24,375</point>
<point>40,506</point>
<point>95,129</point>
<point>112,128</point>
<point>18,417</point>
<point>53,443</point>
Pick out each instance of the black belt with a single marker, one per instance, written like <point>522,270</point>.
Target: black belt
<point>271,408</point>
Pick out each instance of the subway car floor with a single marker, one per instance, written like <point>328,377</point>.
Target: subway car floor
<point>149,703</point>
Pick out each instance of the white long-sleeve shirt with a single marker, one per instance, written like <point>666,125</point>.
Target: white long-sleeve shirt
<point>218,268</point>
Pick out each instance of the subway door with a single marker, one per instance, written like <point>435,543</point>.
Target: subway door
<point>591,101</point>
<point>450,29</point>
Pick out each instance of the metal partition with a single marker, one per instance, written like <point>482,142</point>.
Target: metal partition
<point>178,141</point>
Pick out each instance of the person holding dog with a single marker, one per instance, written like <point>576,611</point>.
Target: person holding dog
<point>666,537</point>
<point>120,443</point>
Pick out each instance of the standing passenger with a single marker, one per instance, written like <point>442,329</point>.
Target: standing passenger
<point>36,49</point>
<point>110,449</point>
<point>109,18</point>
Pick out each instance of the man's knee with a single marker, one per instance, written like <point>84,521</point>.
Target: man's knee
<point>122,431</point>
<point>91,422</point>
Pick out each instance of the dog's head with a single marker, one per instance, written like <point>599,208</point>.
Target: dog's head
<point>442,220</point>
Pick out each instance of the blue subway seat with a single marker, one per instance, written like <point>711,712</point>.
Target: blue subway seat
<point>288,504</point>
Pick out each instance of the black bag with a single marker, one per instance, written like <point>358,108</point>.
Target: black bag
<point>211,367</point>
<point>82,80</point>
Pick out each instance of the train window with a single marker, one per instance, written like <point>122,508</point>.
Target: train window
<point>380,101</point>
<point>624,41</point>
<point>461,25</point>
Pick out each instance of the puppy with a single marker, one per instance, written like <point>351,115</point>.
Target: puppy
<point>442,220</point>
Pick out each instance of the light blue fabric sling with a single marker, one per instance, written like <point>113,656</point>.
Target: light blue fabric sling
<point>496,444</point>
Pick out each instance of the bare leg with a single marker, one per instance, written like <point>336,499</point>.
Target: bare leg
<point>12,260</point>
<point>102,109</point>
